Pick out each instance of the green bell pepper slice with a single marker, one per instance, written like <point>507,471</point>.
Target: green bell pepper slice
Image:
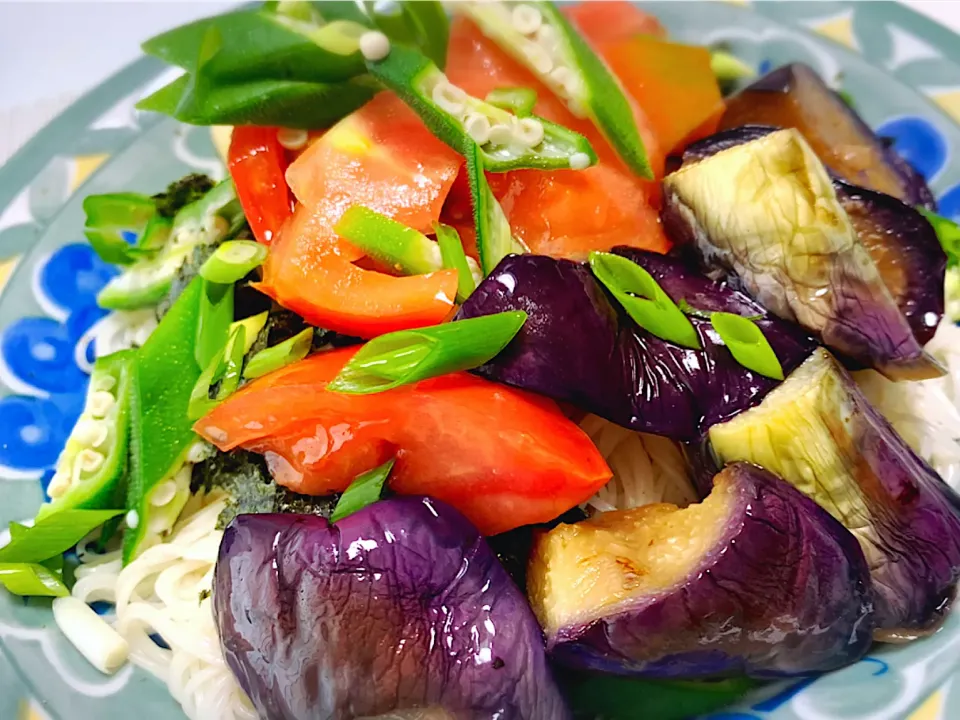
<point>494,239</point>
<point>91,472</point>
<point>506,142</point>
<point>161,432</point>
<point>553,50</point>
<point>206,221</point>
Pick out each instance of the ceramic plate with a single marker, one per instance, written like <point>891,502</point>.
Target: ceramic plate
<point>902,71</point>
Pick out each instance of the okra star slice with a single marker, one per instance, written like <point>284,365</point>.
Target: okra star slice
<point>506,141</point>
<point>91,471</point>
<point>538,36</point>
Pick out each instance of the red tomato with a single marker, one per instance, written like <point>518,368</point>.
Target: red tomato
<point>613,20</point>
<point>672,83</point>
<point>562,213</point>
<point>311,271</point>
<point>257,162</point>
<point>503,457</point>
<point>381,156</point>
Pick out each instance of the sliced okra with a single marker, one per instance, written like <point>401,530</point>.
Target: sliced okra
<point>506,142</point>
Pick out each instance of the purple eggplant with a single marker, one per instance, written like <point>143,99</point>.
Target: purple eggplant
<point>400,607</point>
<point>901,242</point>
<point>757,579</point>
<point>579,347</point>
<point>765,212</point>
<point>819,433</point>
<point>794,96</point>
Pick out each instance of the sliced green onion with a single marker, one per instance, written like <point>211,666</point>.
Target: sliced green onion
<point>847,98</point>
<point>409,356</point>
<point>643,299</point>
<point>280,355</point>
<point>213,324</point>
<point>31,580</point>
<point>252,327</point>
<point>225,368</point>
<point>397,246</point>
<point>518,100</point>
<point>53,535</point>
<point>454,258</point>
<point>17,529</point>
<point>948,233</point>
<point>728,67</point>
<point>365,490</point>
<point>108,216</point>
<point>232,260</point>
<point>747,344</point>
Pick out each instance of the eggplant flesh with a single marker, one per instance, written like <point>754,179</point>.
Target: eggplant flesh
<point>765,213</point>
<point>578,346</point>
<point>756,579</point>
<point>901,242</point>
<point>398,610</point>
<point>818,432</point>
<point>794,96</point>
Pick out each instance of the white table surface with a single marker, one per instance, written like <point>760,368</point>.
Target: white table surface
<point>52,52</point>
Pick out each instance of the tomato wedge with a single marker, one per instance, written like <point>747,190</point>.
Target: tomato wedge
<point>503,457</point>
<point>312,272</point>
<point>381,156</point>
<point>613,20</point>
<point>257,163</point>
<point>562,213</point>
<point>672,83</point>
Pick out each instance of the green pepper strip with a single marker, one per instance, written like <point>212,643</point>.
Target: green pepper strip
<point>494,239</point>
<point>413,77</point>
<point>161,432</point>
<point>454,258</point>
<point>592,90</point>
<point>108,216</point>
<point>408,356</point>
<point>106,487</point>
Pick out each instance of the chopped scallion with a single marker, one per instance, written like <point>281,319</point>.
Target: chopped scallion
<point>643,299</point>
<point>948,233</point>
<point>728,67</point>
<point>397,246</point>
<point>747,343</point>
<point>31,580</point>
<point>280,355</point>
<point>213,324</point>
<point>53,535</point>
<point>224,368</point>
<point>364,490</point>
<point>232,260</point>
<point>518,100</point>
<point>409,356</point>
<point>454,258</point>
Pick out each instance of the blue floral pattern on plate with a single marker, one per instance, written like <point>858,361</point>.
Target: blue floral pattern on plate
<point>39,360</point>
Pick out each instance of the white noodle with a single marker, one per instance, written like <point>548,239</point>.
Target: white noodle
<point>925,413</point>
<point>646,468</point>
<point>160,592</point>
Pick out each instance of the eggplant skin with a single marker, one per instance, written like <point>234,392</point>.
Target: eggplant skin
<point>765,214</point>
<point>904,247</point>
<point>756,580</point>
<point>820,434</point>
<point>794,96</point>
<point>901,242</point>
<point>396,609</point>
<point>578,346</point>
